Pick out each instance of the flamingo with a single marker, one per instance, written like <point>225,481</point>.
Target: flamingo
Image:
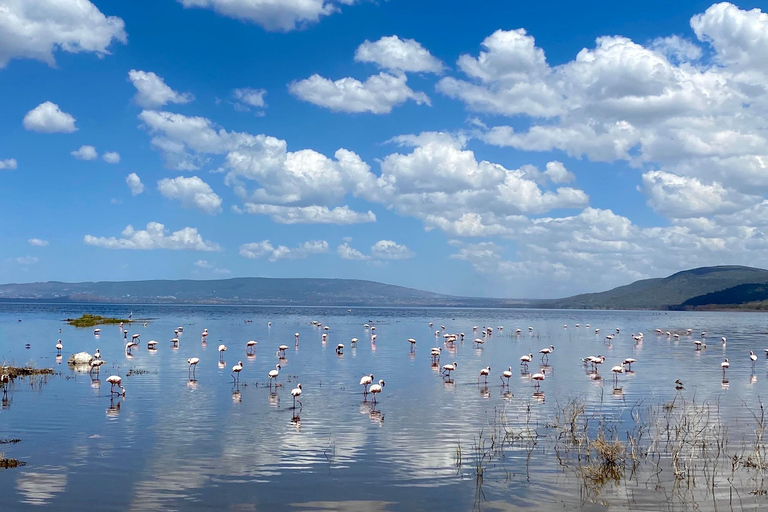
<point>699,344</point>
<point>222,349</point>
<point>753,357</point>
<point>546,351</point>
<point>97,354</point>
<point>628,361</point>
<point>4,380</point>
<point>281,350</point>
<point>524,360</point>
<point>296,393</point>
<point>484,373</point>
<point>136,337</point>
<point>273,374</point>
<point>376,389</point>
<point>506,374</point>
<point>365,382</point>
<point>518,331</point>
<point>435,353</point>
<point>175,342</point>
<point>353,342</point>
<point>151,345</point>
<point>413,343</point>
<point>115,380</point>
<point>250,347</point>
<point>448,368</point>
<point>129,346</point>
<point>537,378</point>
<point>59,346</point>
<point>96,365</point>
<point>616,371</point>
<point>478,341</point>
<point>96,332</point>
<point>725,365</point>
<point>236,371</point>
<point>340,349</point>
<point>296,336</point>
<point>192,362</point>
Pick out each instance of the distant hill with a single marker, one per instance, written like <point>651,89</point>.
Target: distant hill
<point>248,290</point>
<point>706,287</point>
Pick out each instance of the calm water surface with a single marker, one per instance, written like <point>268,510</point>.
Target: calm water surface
<point>176,444</point>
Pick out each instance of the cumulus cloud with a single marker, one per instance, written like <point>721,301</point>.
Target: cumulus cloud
<point>192,193</point>
<point>8,164</point>
<point>379,94</point>
<point>440,180</point>
<point>155,236</point>
<point>27,260</point>
<point>310,214</point>
<point>395,54</point>
<point>247,98</point>
<point>152,91</point>
<point>301,186</point>
<point>264,249</point>
<point>47,117</point>
<point>389,250</point>
<point>205,265</point>
<point>111,157</point>
<point>273,15</point>
<point>346,252</point>
<point>37,242</point>
<point>85,153</point>
<point>134,184</point>
<point>34,30</point>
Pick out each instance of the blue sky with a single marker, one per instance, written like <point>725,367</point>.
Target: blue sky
<point>493,148</point>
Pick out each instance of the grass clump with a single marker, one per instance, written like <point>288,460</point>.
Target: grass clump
<point>90,320</point>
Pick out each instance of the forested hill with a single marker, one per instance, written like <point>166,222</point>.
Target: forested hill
<point>722,287</point>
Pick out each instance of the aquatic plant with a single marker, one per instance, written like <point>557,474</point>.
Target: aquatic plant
<point>87,320</point>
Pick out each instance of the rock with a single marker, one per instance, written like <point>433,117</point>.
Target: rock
<point>80,358</point>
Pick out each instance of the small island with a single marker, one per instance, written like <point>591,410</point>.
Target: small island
<point>91,320</point>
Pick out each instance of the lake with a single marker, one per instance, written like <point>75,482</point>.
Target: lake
<point>428,443</point>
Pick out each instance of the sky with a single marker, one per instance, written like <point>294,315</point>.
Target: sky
<point>495,148</point>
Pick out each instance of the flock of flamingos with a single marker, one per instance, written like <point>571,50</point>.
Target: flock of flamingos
<point>367,381</point>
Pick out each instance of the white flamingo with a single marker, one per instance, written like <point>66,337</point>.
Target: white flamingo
<point>546,351</point>
<point>628,361</point>
<point>448,368</point>
<point>115,380</point>
<point>365,382</point>
<point>236,371</point>
<point>59,346</point>
<point>281,350</point>
<point>376,389</point>
<point>222,349</point>
<point>616,371</point>
<point>725,365</point>
<point>413,343</point>
<point>96,365</point>
<point>753,358</point>
<point>353,342</point>
<point>506,374</point>
<point>296,393</point>
<point>297,338</point>
<point>484,373</point>
<point>97,354</point>
<point>524,360</point>
<point>537,378</point>
<point>151,345</point>
<point>273,374</point>
<point>250,347</point>
<point>340,349</point>
<point>699,344</point>
<point>175,342</point>
<point>192,362</point>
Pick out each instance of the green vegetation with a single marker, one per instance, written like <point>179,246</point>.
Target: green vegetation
<point>722,287</point>
<point>91,320</point>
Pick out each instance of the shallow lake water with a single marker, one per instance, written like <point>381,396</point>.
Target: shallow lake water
<point>428,443</point>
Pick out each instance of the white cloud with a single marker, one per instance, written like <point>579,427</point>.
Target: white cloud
<point>247,98</point>
<point>154,237</point>
<point>395,54</point>
<point>48,118</point>
<point>134,184</point>
<point>310,214</point>
<point>346,252</point>
<point>192,192</point>
<point>291,186</point>
<point>389,250</point>
<point>35,29</point>
<point>440,181</point>
<point>37,242</point>
<point>265,249</point>
<point>205,265</point>
<point>202,264</point>
<point>379,94</point>
<point>275,15</point>
<point>111,157</point>
<point>85,153</point>
<point>740,38</point>
<point>152,91</point>
<point>27,260</point>
<point>9,164</point>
